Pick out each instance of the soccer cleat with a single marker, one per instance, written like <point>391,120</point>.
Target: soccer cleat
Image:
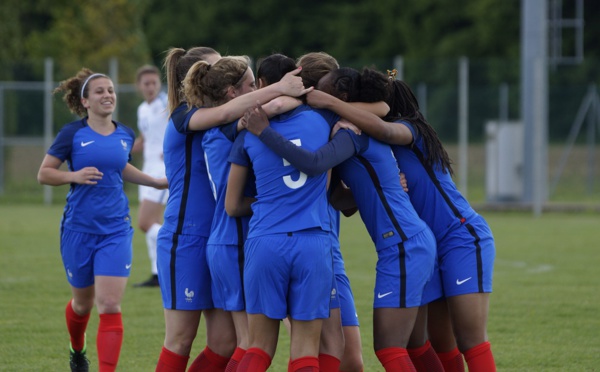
<point>152,282</point>
<point>78,361</point>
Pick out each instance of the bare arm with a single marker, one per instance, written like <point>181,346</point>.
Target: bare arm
<point>134,175</point>
<point>49,174</point>
<point>380,109</point>
<point>236,204</point>
<point>138,145</point>
<point>206,118</point>
<point>392,133</point>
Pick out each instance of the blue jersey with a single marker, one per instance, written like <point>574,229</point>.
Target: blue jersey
<point>432,192</point>
<point>373,176</point>
<point>102,208</point>
<point>287,200</point>
<point>191,204</point>
<point>217,144</point>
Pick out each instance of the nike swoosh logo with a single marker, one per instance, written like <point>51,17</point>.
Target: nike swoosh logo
<point>459,282</point>
<point>84,144</point>
<point>127,266</point>
<point>382,295</point>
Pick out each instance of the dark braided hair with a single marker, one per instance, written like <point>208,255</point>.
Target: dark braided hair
<point>404,106</point>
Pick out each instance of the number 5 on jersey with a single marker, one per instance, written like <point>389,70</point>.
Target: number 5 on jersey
<point>288,179</point>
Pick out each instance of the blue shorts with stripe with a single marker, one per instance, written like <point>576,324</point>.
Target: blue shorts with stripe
<point>403,270</point>
<point>183,273</point>
<point>344,298</point>
<point>289,274</point>
<point>466,260</point>
<point>86,256</point>
<point>226,264</point>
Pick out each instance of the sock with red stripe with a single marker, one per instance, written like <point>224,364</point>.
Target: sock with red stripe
<point>76,325</point>
<point>235,359</point>
<point>480,358</point>
<point>255,360</point>
<point>109,340</point>
<point>169,361</point>
<point>395,359</point>
<point>425,359</point>
<point>452,361</point>
<point>305,364</point>
<point>209,361</point>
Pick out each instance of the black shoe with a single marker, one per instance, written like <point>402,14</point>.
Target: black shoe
<point>152,282</point>
<point>78,361</point>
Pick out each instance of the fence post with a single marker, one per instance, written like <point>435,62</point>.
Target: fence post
<point>463,123</point>
<point>113,72</point>
<point>2,168</point>
<point>48,116</point>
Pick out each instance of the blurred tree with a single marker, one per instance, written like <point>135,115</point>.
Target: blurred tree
<point>89,34</point>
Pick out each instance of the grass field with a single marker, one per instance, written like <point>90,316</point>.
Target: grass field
<point>544,315</point>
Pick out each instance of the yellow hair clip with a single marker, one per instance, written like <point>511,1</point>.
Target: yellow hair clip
<point>392,74</point>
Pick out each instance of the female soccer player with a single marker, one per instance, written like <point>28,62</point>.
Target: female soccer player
<point>465,245</point>
<point>96,233</point>
<point>152,118</point>
<point>464,241</point>
<point>405,245</point>
<point>183,271</point>
<point>288,262</point>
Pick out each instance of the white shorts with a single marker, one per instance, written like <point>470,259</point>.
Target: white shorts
<point>150,193</point>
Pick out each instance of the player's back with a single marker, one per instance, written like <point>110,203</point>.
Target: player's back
<point>373,176</point>
<point>289,200</point>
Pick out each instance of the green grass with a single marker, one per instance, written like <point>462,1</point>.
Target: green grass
<point>544,313</point>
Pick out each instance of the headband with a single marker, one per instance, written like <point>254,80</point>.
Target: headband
<point>88,79</point>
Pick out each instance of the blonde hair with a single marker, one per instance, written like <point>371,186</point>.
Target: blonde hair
<point>315,65</point>
<point>177,64</point>
<point>206,84</point>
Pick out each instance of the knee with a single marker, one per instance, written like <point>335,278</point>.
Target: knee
<point>144,225</point>
<point>223,344</point>
<point>82,307</point>
<point>108,305</point>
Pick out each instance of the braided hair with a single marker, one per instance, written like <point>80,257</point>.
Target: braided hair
<point>404,106</point>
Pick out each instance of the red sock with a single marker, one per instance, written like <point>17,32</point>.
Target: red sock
<point>425,359</point>
<point>305,364</point>
<point>395,359</point>
<point>171,362</point>
<point>452,361</point>
<point>209,361</point>
<point>255,360</point>
<point>109,340</point>
<point>76,325</point>
<point>480,358</point>
<point>235,359</point>
<point>329,363</point>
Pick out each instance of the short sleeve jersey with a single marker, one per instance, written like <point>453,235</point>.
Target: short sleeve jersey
<point>287,200</point>
<point>432,192</point>
<point>191,204</point>
<point>102,208</point>
<point>217,144</point>
<point>373,176</point>
<point>152,123</point>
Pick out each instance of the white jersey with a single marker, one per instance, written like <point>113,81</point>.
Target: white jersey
<point>152,123</point>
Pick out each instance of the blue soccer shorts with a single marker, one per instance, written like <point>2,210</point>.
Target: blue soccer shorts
<point>183,272</point>
<point>403,270</point>
<point>289,274</point>
<point>87,255</point>
<point>226,264</point>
